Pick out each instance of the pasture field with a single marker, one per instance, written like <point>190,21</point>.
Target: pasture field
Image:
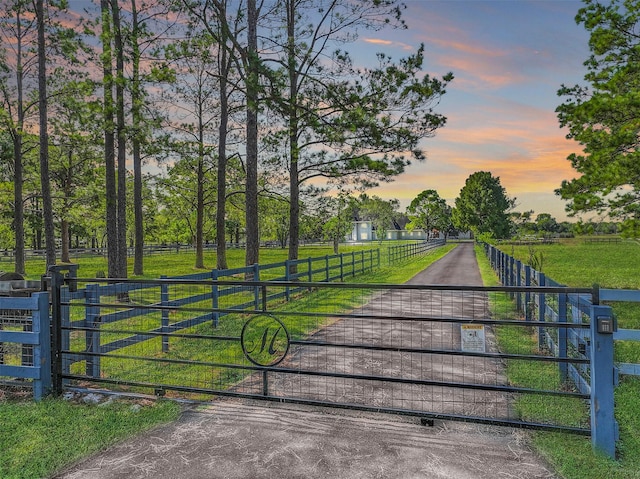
<point>580,264</point>
<point>173,264</point>
<point>36,439</point>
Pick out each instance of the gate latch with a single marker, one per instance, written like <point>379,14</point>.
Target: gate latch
<point>606,324</point>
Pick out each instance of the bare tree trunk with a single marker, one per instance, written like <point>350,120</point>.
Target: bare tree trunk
<point>251,205</point>
<point>221,206</point>
<point>109,143</point>
<point>200,208</point>
<point>294,151</point>
<point>18,217</point>
<point>221,211</point>
<point>121,135</point>
<point>136,103</point>
<point>18,214</point>
<point>64,236</point>
<point>45,184</point>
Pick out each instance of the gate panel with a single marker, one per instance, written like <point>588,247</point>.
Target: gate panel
<point>430,351</point>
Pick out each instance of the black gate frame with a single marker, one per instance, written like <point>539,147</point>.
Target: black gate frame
<point>261,307</point>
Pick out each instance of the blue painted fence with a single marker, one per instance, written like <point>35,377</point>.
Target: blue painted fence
<point>319,269</point>
<point>599,377</point>
<point>32,316</point>
<point>36,336</point>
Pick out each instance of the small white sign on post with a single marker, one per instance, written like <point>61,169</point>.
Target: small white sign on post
<point>472,337</point>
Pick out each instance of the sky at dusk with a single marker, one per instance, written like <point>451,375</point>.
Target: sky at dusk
<point>509,58</point>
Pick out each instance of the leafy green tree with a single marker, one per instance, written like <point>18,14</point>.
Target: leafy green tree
<point>74,154</point>
<point>179,196</point>
<point>483,206</point>
<point>603,116</point>
<point>194,133</point>
<point>18,29</point>
<point>237,33</point>
<point>213,18</point>
<point>337,227</point>
<point>42,18</point>
<point>339,123</point>
<point>522,222</point>
<point>428,211</point>
<point>147,27</point>
<point>546,223</point>
<point>274,219</point>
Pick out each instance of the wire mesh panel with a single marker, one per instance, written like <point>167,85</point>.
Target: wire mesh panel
<point>14,353</point>
<point>437,351</point>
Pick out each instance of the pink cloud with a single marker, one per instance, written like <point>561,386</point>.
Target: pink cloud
<point>387,43</point>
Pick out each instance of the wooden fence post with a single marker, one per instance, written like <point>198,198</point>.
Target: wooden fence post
<point>326,263</point>
<point>512,274</point>
<point>287,278</point>
<point>542,309</point>
<point>562,336</point>
<point>518,283</point>
<point>65,334</point>
<point>256,289</point>
<point>353,263</point>
<point>527,294</point>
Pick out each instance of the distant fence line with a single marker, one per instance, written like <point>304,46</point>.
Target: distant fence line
<point>149,250</point>
<point>403,251</point>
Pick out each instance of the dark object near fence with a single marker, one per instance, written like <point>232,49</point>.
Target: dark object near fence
<point>10,276</point>
<point>14,284</point>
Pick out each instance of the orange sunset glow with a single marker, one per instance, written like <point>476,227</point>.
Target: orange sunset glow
<point>509,59</point>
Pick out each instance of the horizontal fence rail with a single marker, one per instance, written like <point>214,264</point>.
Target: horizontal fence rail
<point>221,284</point>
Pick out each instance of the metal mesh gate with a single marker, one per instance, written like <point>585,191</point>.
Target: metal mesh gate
<point>429,351</point>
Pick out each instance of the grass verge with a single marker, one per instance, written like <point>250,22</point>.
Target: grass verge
<point>570,455</point>
<point>37,439</point>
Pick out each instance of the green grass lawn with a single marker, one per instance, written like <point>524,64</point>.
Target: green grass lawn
<point>172,264</point>
<point>613,265</point>
<point>36,439</point>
